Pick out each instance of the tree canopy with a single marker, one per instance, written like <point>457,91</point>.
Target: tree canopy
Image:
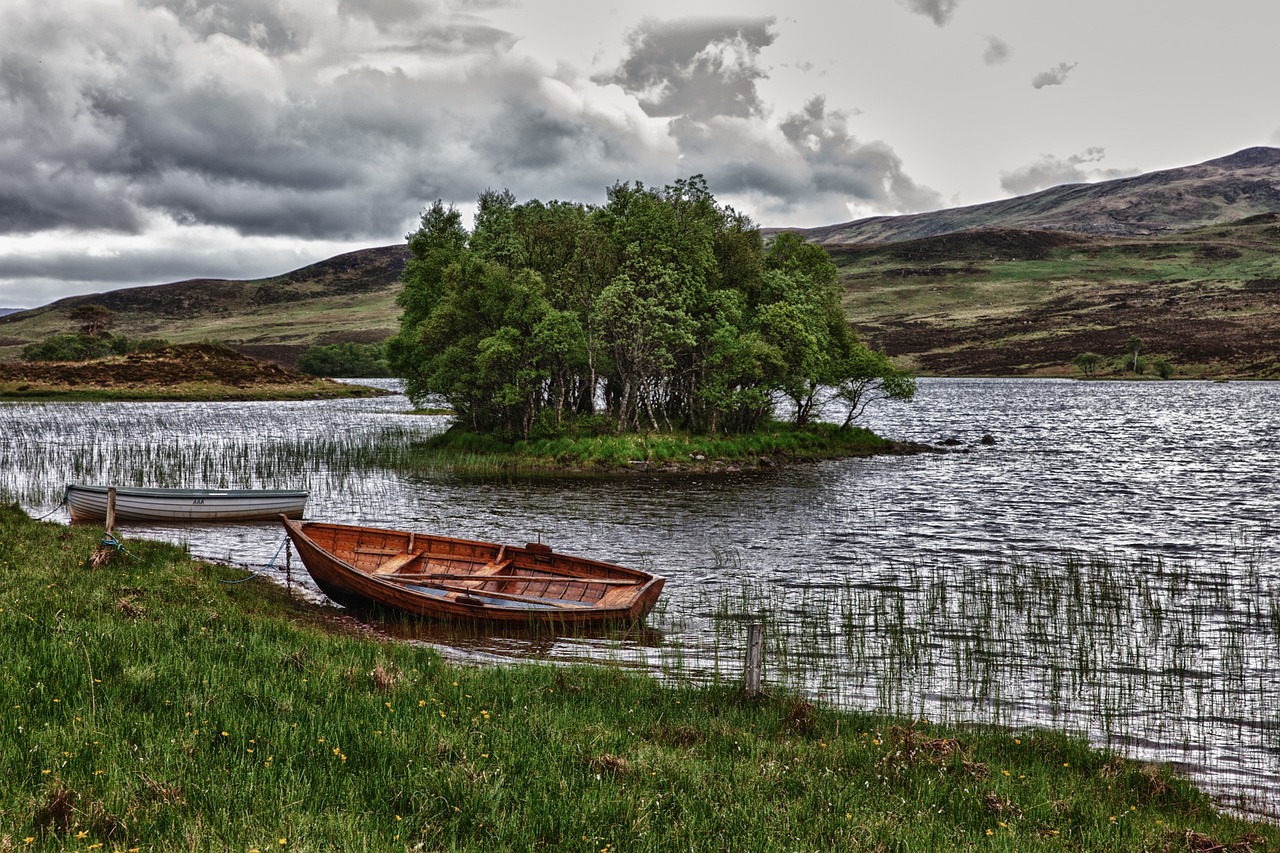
<point>660,310</point>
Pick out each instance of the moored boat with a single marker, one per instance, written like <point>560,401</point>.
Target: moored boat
<point>439,577</point>
<point>89,503</point>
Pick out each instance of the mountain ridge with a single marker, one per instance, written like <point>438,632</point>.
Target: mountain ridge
<point>1217,191</point>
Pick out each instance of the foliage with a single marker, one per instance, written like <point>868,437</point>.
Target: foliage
<point>1163,368</point>
<point>1134,344</point>
<point>661,310</point>
<point>345,359</point>
<point>1088,363</point>
<point>92,318</point>
<point>83,347</point>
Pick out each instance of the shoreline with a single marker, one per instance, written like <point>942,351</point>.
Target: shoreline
<point>253,728</point>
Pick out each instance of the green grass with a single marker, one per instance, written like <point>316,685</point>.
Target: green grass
<point>466,452</point>
<point>147,706</point>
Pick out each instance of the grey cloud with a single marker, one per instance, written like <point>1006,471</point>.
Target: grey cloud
<point>1051,171</point>
<point>827,167</point>
<point>1055,76</point>
<point>939,10</point>
<point>997,51</point>
<point>696,67</point>
<point>255,22</point>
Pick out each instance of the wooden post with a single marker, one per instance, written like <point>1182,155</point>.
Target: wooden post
<point>111,510</point>
<point>288,567</point>
<point>755,658</point>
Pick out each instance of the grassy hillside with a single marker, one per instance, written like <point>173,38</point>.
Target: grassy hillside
<point>1001,302</point>
<point>350,297</point>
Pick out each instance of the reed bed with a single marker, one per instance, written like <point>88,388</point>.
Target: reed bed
<point>1169,661</point>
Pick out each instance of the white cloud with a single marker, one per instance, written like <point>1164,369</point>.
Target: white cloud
<point>1051,171</point>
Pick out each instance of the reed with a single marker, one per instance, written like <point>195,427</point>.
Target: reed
<point>149,706</point>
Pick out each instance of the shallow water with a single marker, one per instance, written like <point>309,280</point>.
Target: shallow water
<point>1106,566</point>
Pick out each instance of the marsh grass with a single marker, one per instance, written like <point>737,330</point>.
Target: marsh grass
<point>1157,658</point>
<point>148,706</point>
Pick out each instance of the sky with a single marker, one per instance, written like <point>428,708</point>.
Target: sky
<point>150,141</point>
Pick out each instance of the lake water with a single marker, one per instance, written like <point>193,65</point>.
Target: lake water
<point>1107,566</point>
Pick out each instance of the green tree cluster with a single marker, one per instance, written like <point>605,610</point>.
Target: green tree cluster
<point>660,310</point>
<point>348,359</point>
<point>83,347</point>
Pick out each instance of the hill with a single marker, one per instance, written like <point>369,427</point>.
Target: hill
<point>1186,259</point>
<point>1215,192</point>
<point>1010,302</point>
<point>350,297</point>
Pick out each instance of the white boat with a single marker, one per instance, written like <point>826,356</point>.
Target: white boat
<point>89,503</point>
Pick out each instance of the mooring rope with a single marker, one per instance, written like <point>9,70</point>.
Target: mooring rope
<point>269,564</point>
<point>60,505</point>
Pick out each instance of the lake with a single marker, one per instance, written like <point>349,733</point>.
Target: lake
<point>1106,566</point>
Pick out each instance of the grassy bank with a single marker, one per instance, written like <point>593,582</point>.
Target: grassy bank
<point>467,452</point>
<point>150,706</point>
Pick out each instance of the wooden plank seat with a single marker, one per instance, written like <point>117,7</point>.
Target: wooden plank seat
<point>397,562</point>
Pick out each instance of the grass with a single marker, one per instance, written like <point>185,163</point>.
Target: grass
<point>147,706</point>
<point>466,452</point>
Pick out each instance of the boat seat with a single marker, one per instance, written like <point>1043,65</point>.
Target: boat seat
<point>492,568</point>
<point>397,562</point>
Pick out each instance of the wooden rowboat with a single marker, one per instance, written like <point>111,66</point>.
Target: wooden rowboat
<point>438,577</point>
<point>89,503</point>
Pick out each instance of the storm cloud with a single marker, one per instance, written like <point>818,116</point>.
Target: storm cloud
<point>699,68</point>
<point>1055,76</point>
<point>251,128</point>
<point>1051,171</point>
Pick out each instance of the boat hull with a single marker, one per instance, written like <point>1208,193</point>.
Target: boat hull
<point>89,504</point>
<point>460,580</point>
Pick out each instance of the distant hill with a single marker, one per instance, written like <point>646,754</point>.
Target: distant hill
<point>1244,184</point>
<point>4,311</point>
<point>1186,259</point>
<point>350,297</point>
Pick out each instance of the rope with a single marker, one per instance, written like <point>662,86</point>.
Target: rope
<point>60,505</point>
<point>271,563</point>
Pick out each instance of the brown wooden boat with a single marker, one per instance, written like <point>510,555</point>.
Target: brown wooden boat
<point>438,577</point>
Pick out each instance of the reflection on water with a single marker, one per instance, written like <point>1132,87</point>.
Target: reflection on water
<point>1105,567</point>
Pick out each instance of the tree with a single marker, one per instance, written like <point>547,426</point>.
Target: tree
<point>1134,345</point>
<point>92,319</point>
<point>660,310</point>
<point>1088,363</point>
<point>345,359</point>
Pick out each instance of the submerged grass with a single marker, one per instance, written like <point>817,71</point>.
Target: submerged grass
<point>466,452</point>
<point>148,706</point>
